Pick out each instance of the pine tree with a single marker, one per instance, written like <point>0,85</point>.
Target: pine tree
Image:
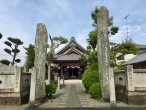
<point>13,43</point>
<point>30,52</point>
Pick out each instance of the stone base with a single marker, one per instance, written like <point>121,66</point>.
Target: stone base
<point>10,101</point>
<point>13,99</point>
<point>120,93</point>
<point>31,105</point>
<point>136,98</point>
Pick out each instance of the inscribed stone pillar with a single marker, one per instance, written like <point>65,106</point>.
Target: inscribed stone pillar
<point>130,80</point>
<point>112,87</point>
<point>103,50</point>
<point>40,60</point>
<point>32,87</point>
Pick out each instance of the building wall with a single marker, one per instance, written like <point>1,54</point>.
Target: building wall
<point>125,58</point>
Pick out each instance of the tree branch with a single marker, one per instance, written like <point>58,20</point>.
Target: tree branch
<point>51,38</point>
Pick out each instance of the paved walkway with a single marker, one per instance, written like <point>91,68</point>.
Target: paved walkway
<point>72,95</point>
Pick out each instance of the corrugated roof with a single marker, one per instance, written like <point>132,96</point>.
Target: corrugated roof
<point>139,58</point>
<point>68,57</point>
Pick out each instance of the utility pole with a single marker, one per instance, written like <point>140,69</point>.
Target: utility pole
<point>126,24</point>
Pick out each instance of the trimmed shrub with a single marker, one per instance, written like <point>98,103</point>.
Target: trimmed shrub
<point>95,91</point>
<point>90,76</point>
<point>50,90</point>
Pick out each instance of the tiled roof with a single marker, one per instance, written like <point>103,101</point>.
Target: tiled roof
<point>67,57</point>
<point>72,42</point>
<point>139,58</point>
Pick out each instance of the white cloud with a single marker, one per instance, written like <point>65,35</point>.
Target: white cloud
<point>18,18</point>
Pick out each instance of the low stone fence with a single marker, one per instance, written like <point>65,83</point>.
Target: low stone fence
<point>136,85</point>
<point>130,85</point>
<point>14,85</point>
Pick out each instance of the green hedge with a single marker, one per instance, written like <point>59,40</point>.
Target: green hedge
<point>50,90</point>
<point>95,91</point>
<point>90,76</point>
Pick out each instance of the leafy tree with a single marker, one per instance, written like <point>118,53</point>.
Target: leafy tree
<point>55,43</point>
<point>127,47</point>
<point>30,52</point>
<point>90,58</point>
<point>13,43</point>
<point>1,35</point>
<point>92,40</point>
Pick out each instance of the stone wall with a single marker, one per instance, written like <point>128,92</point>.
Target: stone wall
<point>135,86</point>
<point>139,76</point>
<point>120,78</point>
<point>12,84</point>
<point>120,85</point>
<point>25,87</point>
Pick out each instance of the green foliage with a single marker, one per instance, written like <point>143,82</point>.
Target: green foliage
<point>1,35</point>
<point>83,59</point>
<point>119,67</point>
<point>50,56</point>
<point>8,43</point>
<point>127,47</point>
<point>13,43</point>
<point>7,50</point>
<point>94,16</point>
<point>30,56</point>
<point>92,57</point>
<point>18,60</point>
<point>5,62</point>
<point>114,30</point>
<point>60,39</point>
<point>50,89</point>
<point>92,41</point>
<point>15,50</point>
<point>55,43</point>
<point>95,91</point>
<point>90,76</point>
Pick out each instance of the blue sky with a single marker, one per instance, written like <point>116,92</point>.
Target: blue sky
<point>18,18</point>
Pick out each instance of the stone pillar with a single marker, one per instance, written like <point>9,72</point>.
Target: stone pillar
<point>32,88</point>
<point>17,78</point>
<point>58,83</point>
<point>130,82</point>
<point>40,60</point>
<point>103,50</point>
<point>112,87</point>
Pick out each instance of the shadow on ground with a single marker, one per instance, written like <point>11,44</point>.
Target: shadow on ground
<point>113,108</point>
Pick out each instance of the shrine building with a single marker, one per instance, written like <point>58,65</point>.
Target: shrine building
<point>68,59</point>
